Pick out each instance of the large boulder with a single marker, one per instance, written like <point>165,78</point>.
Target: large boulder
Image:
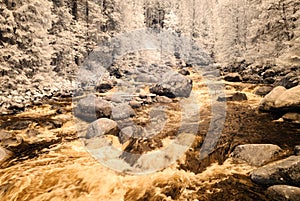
<point>173,85</point>
<point>268,101</point>
<point>256,154</point>
<point>283,193</point>
<point>92,108</point>
<point>282,100</point>
<point>102,127</point>
<point>286,171</point>
<point>289,100</point>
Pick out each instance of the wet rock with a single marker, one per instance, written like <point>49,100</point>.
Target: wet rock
<point>184,72</point>
<point>163,99</point>
<point>269,80</point>
<point>92,108</point>
<point>254,79</point>
<point>283,193</point>
<point>289,100</point>
<point>269,100</point>
<point>148,100</point>
<point>131,132</point>
<point>18,125</point>
<point>102,127</point>
<point>297,150</point>
<point>264,90</point>
<point>286,171</point>
<point>269,73</point>
<point>173,85</point>
<point>122,111</point>
<point>135,104</point>
<point>115,71</point>
<point>292,117</point>
<point>9,140</point>
<point>104,86</point>
<point>289,81</point>
<point>237,96</point>
<point>146,78</point>
<point>256,154</point>
<point>137,147</point>
<point>233,77</point>
<point>4,155</point>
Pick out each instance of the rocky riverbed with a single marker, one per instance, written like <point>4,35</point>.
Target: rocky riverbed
<point>46,150</point>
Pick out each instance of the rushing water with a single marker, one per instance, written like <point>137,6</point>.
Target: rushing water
<point>58,167</point>
<point>54,164</point>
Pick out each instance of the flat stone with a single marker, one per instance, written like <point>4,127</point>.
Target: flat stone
<point>286,171</point>
<point>256,154</point>
<point>283,193</point>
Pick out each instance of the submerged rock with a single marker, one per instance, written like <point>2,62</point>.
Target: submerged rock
<point>256,154</point>
<point>173,85</point>
<point>286,171</point>
<point>283,193</point>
